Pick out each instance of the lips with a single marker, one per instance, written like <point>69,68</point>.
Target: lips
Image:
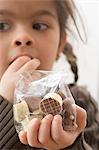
<point>18,56</point>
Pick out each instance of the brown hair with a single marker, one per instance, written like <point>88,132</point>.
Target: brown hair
<point>66,10</point>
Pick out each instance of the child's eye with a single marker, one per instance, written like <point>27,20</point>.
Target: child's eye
<point>40,26</point>
<point>4,26</point>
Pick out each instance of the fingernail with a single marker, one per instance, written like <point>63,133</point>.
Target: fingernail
<point>49,116</point>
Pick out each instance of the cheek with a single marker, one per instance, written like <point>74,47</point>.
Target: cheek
<point>48,52</point>
<point>3,65</point>
<point>47,59</point>
<point>3,58</point>
<point>4,46</point>
<point>3,51</point>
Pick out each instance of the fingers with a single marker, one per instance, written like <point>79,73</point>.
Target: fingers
<point>23,137</point>
<point>48,133</point>
<point>56,128</point>
<point>29,66</point>
<point>45,133</point>
<point>32,133</point>
<point>24,63</point>
<point>39,134</point>
<point>60,137</point>
<point>18,63</point>
<point>67,138</point>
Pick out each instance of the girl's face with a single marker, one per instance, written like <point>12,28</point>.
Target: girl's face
<point>29,27</point>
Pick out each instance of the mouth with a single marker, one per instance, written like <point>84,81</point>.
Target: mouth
<point>18,56</point>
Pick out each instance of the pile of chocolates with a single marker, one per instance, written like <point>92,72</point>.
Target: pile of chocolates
<point>52,103</point>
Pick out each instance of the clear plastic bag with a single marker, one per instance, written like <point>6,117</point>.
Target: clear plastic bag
<point>39,93</point>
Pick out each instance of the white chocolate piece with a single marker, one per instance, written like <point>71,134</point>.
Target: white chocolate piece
<point>54,96</point>
<point>21,110</point>
<point>25,123</point>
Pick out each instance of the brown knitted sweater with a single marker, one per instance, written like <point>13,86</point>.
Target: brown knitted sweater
<point>9,139</point>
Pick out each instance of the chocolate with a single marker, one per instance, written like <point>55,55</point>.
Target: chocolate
<point>68,115</point>
<point>50,106</point>
<point>52,103</point>
<point>32,102</point>
<point>21,110</point>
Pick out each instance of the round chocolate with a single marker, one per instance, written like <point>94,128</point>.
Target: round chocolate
<point>50,106</point>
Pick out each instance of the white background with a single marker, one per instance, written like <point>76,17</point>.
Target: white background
<point>88,55</point>
<point>89,60</point>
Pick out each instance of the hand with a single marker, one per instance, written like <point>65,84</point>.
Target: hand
<point>48,133</point>
<point>20,65</point>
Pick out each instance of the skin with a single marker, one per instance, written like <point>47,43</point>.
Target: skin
<point>33,33</point>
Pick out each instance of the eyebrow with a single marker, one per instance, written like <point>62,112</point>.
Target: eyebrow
<point>37,14</point>
<point>6,12</point>
<point>44,13</point>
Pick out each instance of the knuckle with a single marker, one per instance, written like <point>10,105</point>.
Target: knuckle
<point>56,138</point>
<point>33,144</point>
<point>43,141</point>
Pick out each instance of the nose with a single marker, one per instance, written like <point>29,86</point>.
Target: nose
<point>23,40</point>
<point>23,43</point>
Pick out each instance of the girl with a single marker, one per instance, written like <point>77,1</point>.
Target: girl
<point>32,36</point>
